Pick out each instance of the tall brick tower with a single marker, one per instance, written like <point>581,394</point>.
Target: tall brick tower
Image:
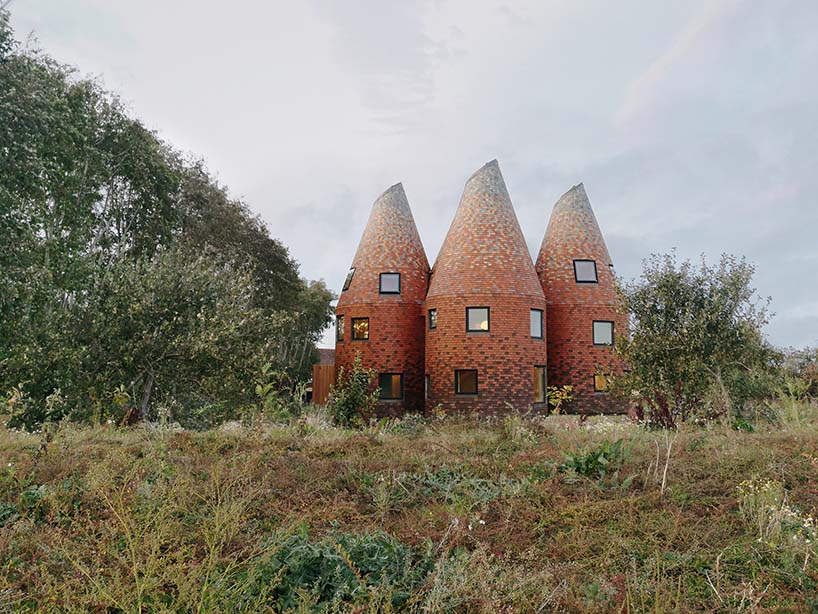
<point>577,277</point>
<point>379,313</point>
<point>485,308</point>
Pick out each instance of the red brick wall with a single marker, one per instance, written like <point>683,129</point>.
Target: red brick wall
<point>484,261</point>
<point>573,233</point>
<point>390,244</point>
<point>504,357</point>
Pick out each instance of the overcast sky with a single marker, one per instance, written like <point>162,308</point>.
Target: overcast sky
<point>693,124</point>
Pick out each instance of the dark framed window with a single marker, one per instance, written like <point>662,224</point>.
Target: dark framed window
<point>600,382</point>
<point>603,332</point>
<point>477,320</point>
<point>432,319</point>
<point>339,328</point>
<point>427,385</point>
<point>348,280</point>
<point>389,283</point>
<point>465,381</point>
<point>391,385</point>
<point>536,323</point>
<point>540,387</point>
<point>360,329</point>
<point>585,272</point>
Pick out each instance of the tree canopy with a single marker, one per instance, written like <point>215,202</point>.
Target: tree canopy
<point>124,265</point>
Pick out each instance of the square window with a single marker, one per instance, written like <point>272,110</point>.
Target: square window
<point>339,328</point>
<point>465,381</point>
<point>539,385</point>
<point>360,329</point>
<point>391,385</point>
<point>585,271</point>
<point>600,383</point>
<point>477,319</point>
<point>536,323</point>
<point>390,283</point>
<point>432,319</point>
<point>603,332</point>
<point>348,280</point>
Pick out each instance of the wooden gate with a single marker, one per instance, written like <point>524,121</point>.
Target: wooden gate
<point>323,376</point>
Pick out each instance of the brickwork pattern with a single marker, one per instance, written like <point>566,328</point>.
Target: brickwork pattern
<point>573,234</point>
<point>484,261</point>
<point>390,244</point>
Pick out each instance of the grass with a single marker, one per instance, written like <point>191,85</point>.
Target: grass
<point>446,515</point>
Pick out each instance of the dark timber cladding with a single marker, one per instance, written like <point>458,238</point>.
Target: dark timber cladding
<point>577,277</point>
<point>481,354</point>
<point>384,298</point>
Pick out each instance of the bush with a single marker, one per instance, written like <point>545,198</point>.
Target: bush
<point>695,336</point>
<point>352,400</point>
<point>340,568</point>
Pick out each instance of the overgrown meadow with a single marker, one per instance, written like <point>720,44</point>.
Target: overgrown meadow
<point>521,513</point>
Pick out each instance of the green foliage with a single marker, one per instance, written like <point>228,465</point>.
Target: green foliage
<point>125,267</point>
<point>695,340</point>
<point>351,399</point>
<point>559,396</point>
<point>340,568</point>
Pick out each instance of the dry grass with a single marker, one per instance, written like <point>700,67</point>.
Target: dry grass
<point>445,515</point>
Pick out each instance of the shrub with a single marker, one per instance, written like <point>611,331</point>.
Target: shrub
<point>693,331</point>
<point>340,568</point>
<point>352,400</point>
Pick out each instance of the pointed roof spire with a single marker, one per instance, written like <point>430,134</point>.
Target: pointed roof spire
<point>390,244</point>
<point>484,251</point>
<point>391,238</point>
<point>573,234</point>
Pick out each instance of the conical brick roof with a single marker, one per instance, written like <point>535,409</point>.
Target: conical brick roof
<point>573,234</point>
<point>390,242</point>
<point>484,251</point>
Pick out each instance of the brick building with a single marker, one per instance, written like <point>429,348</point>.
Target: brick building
<point>485,328</point>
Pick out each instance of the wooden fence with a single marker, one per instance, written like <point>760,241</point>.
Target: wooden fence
<point>323,376</point>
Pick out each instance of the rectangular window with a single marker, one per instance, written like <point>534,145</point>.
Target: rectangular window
<point>427,384</point>
<point>465,381</point>
<point>477,319</point>
<point>348,280</point>
<point>360,329</point>
<point>536,323</point>
<point>585,271</point>
<point>390,283</point>
<point>539,385</point>
<point>603,332</point>
<point>339,328</point>
<point>391,385</point>
<point>600,383</point>
<point>432,319</point>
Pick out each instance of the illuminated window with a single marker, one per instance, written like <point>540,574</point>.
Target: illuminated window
<point>536,323</point>
<point>477,319</point>
<point>391,385</point>
<point>539,385</point>
<point>603,332</point>
<point>390,283</point>
<point>600,383</point>
<point>465,381</point>
<point>348,280</point>
<point>432,319</point>
<point>585,271</point>
<point>360,329</point>
<point>339,328</point>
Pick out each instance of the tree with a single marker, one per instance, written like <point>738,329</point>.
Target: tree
<point>695,332</point>
<point>112,245</point>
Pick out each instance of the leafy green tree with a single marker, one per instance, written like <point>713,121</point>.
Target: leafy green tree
<point>102,228</point>
<point>695,337</point>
